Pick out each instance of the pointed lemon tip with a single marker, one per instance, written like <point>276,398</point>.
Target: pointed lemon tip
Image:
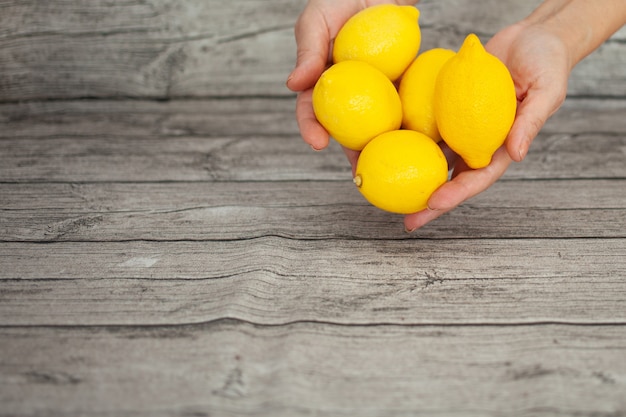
<point>358,181</point>
<point>471,39</point>
<point>471,42</point>
<point>477,163</point>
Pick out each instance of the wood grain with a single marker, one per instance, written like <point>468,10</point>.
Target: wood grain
<point>277,281</point>
<point>156,49</point>
<point>170,247</point>
<point>167,49</point>
<point>298,210</point>
<point>250,140</point>
<point>229,368</point>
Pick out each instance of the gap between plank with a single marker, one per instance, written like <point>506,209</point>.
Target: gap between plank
<point>287,324</point>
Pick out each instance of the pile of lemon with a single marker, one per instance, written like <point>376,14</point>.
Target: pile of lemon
<point>384,98</point>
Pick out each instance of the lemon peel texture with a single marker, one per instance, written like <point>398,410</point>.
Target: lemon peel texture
<point>386,36</point>
<point>475,103</point>
<point>398,171</point>
<point>355,102</point>
<point>417,92</point>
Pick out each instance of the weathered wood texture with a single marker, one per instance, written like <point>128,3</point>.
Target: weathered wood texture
<point>235,140</point>
<point>199,48</point>
<point>299,210</point>
<point>275,281</point>
<point>193,257</point>
<point>230,368</point>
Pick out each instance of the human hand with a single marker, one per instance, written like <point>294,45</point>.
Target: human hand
<point>540,66</point>
<point>537,59</point>
<point>315,31</point>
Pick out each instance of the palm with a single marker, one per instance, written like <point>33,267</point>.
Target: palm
<point>538,65</point>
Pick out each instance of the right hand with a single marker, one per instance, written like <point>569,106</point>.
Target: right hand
<point>315,31</point>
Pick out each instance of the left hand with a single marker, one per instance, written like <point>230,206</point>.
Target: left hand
<point>540,66</point>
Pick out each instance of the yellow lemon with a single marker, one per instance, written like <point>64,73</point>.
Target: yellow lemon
<point>417,92</point>
<point>399,170</point>
<point>387,36</point>
<point>356,102</point>
<point>475,103</point>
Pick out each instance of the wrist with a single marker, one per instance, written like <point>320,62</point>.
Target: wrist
<point>581,25</point>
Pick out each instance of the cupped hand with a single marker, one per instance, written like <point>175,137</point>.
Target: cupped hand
<point>315,31</point>
<point>539,63</point>
<point>540,66</point>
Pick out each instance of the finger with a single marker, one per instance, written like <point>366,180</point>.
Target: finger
<point>313,44</point>
<point>353,157</point>
<point>532,113</point>
<point>414,221</point>
<point>469,183</point>
<point>465,185</point>
<point>311,130</point>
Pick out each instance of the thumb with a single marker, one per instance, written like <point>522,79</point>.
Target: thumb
<point>532,113</point>
<point>313,45</point>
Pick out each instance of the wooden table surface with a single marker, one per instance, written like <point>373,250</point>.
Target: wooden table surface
<point>170,247</point>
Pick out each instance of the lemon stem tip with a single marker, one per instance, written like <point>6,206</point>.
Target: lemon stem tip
<point>471,42</point>
<point>357,181</point>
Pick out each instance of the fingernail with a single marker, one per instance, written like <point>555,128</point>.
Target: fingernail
<point>523,150</point>
<point>408,230</point>
<point>290,77</point>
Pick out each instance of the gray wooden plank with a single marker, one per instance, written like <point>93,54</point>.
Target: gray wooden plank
<point>250,140</point>
<point>256,158</point>
<point>277,281</point>
<point>157,48</point>
<point>194,257</point>
<point>232,117</point>
<point>164,48</point>
<point>299,210</point>
<point>238,116</point>
<point>229,368</point>
<point>204,118</point>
